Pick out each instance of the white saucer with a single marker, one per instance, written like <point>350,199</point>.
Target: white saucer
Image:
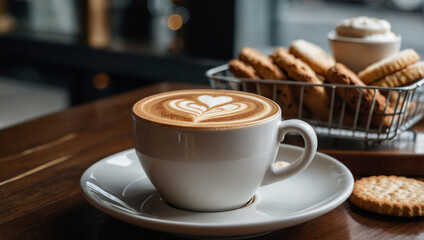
<point>118,186</point>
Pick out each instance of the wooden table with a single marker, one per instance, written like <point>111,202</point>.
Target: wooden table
<point>41,162</point>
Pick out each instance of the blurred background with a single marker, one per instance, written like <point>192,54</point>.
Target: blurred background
<point>55,54</point>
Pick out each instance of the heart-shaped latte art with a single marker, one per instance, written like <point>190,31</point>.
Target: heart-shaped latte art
<point>214,101</point>
<point>216,107</point>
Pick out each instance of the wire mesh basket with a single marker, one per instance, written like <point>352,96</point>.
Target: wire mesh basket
<point>402,106</point>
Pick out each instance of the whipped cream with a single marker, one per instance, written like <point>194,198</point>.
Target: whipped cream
<point>367,24</point>
<point>367,28</point>
<point>381,37</point>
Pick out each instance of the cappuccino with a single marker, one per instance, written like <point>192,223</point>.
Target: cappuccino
<point>209,109</point>
<point>211,150</point>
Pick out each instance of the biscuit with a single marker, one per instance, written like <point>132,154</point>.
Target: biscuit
<point>402,104</point>
<point>395,99</point>
<point>312,55</point>
<point>287,102</point>
<point>315,97</point>
<point>283,96</point>
<point>262,89</point>
<point>263,66</point>
<point>242,70</point>
<point>344,117</point>
<point>389,195</point>
<point>340,74</point>
<point>283,92</point>
<point>388,65</point>
<point>407,75</point>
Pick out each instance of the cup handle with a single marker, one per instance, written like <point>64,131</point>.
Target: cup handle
<point>275,173</point>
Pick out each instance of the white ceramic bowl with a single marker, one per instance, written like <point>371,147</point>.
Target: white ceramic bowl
<point>358,53</point>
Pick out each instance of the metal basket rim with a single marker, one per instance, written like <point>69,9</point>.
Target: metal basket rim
<point>325,128</point>
<point>211,73</point>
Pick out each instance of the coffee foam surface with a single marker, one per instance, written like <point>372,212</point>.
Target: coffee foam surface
<point>213,109</point>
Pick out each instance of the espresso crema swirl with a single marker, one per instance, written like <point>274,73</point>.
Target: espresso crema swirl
<point>206,109</point>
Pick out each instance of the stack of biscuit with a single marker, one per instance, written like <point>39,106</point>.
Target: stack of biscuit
<point>364,99</point>
<point>400,69</point>
<point>307,62</point>
<point>304,62</point>
<point>252,64</point>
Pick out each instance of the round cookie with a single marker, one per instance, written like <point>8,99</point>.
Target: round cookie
<point>315,97</point>
<point>407,75</point>
<point>388,65</point>
<point>241,69</point>
<point>312,55</point>
<point>340,74</point>
<point>390,195</point>
<point>261,63</point>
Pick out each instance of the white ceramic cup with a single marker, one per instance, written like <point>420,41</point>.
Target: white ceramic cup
<point>216,170</point>
<point>357,53</point>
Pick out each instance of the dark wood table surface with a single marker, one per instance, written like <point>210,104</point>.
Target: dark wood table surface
<point>41,162</point>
